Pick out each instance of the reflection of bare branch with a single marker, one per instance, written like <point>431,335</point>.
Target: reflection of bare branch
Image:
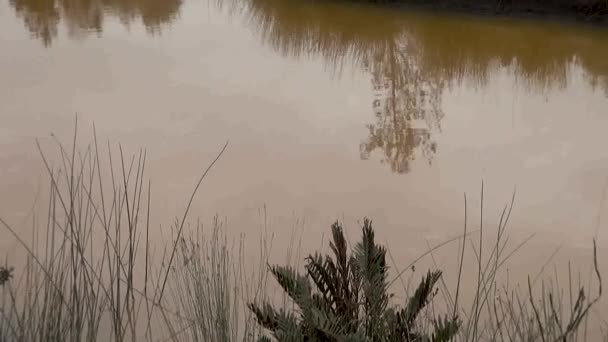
<point>407,108</point>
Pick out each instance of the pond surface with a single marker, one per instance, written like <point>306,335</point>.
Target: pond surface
<point>332,111</point>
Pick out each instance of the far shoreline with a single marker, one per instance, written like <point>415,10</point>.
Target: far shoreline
<point>484,9</point>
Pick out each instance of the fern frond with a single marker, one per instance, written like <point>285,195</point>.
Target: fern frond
<point>295,285</point>
<point>421,297</point>
<point>445,329</point>
<point>345,299</point>
<point>372,267</point>
<point>338,246</point>
<point>283,325</point>
<point>347,290</point>
<point>323,275</point>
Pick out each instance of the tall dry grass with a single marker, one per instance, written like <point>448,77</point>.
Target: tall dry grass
<point>90,272</point>
<point>545,308</point>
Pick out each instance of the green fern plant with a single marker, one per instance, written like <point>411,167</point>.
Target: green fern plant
<point>346,298</point>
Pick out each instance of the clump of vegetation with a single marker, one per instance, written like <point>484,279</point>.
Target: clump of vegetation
<point>346,298</point>
<point>90,272</point>
<point>210,285</point>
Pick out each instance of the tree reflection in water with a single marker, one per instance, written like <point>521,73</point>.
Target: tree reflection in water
<point>411,58</point>
<point>42,17</point>
<point>406,106</point>
<point>407,103</point>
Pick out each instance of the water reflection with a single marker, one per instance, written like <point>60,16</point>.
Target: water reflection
<point>42,17</point>
<point>406,104</point>
<point>412,59</point>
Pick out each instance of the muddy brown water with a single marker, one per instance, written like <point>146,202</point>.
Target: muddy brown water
<point>332,111</point>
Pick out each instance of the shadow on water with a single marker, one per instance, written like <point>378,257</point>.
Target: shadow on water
<point>42,17</point>
<point>411,58</point>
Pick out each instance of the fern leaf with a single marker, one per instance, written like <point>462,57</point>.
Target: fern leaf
<point>445,329</point>
<point>371,264</point>
<point>323,278</point>
<point>296,285</point>
<point>421,297</point>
